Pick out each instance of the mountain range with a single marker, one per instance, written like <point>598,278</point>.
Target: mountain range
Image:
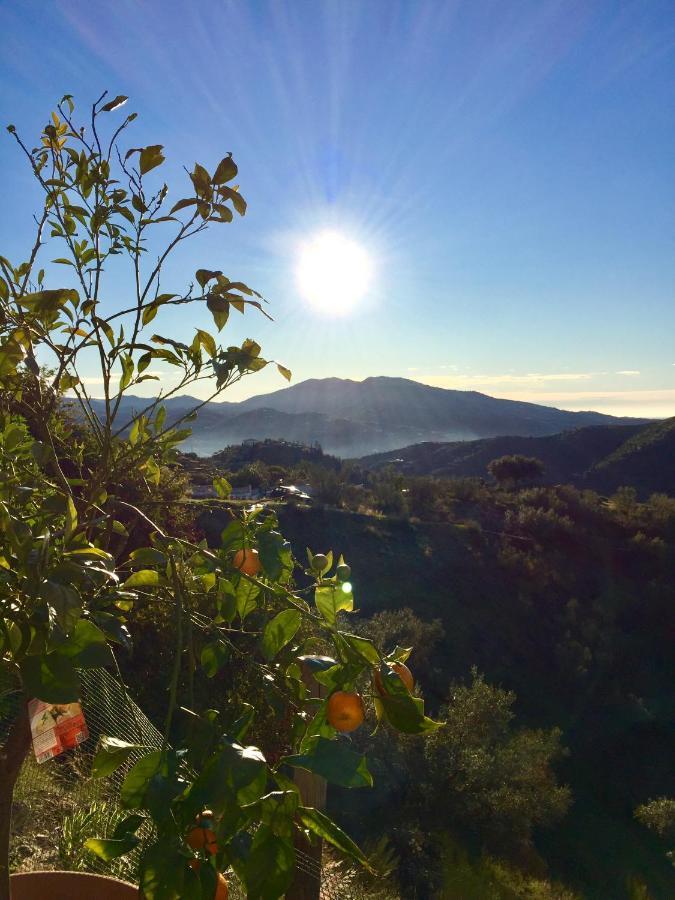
<point>356,418</point>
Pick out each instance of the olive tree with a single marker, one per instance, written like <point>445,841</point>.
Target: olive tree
<point>69,582</point>
<point>509,470</point>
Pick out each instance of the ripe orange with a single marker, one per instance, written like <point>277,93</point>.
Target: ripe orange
<point>222,891</point>
<point>247,561</point>
<point>403,673</point>
<point>201,837</point>
<point>345,711</point>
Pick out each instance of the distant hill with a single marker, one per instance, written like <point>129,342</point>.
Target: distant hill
<point>272,453</point>
<point>566,456</point>
<point>646,461</point>
<point>603,457</point>
<point>355,418</point>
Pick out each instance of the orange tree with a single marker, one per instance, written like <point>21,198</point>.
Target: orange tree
<point>68,580</point>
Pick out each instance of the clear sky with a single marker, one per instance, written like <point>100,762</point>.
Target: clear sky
<point>508,167</point>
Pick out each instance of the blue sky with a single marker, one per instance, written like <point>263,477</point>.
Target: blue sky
<point>508,167</point>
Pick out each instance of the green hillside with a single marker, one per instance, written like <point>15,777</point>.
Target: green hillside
<point>646,461</point>
<point>603,458</point>
<point>566,456</point>
<point>569,603</point>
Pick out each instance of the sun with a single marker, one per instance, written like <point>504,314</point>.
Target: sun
<point>333,272</point>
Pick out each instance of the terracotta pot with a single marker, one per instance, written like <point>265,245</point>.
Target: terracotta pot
<point>69,886</point>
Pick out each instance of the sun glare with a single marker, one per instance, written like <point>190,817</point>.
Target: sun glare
<point>333,272</point>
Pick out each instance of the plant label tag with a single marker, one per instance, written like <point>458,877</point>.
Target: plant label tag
<point>55,728</point>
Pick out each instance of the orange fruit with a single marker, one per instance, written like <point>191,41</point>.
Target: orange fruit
<point>345,711</point>
<point>202,838</point>
<point>247,561</point>
<point>403,673</point>
<point>222,891</point>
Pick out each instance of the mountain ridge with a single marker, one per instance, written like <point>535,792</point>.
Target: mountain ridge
<point>356,418</point>
<point>600,457</point>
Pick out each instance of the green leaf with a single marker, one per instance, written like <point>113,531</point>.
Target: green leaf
<point>235,774</point>
<point>406,713</point>
<point>163,870</point>
<point>127,364</point>
<point>245,597</point>
<point>279,631</point>
<point>270,866</point>
<point>232,537</point>
<point>287,374</point>
<point>362,648</point>
<point>205,275</point>
<point>138,204</point>
<point>149,314</point>
<point>275,555</point>
<point>71,518</point>
<point>65,602</point>
<point>213,658</point>
<point>201,181</point>
<point>143,578</point>
<point>237,200</point>
<point>222,487</point>
<point>135,785</point>
<point>398,654</point>
<point>148,556</point>
<point>86,647</point>
<point>226,171</point>
<point>67,381</point>
<point>13,436</point>
<point>325,828</point>
<point>241,725</point>
<point>150,158</point>
<point>224,213</point>
<point>129,825</point>
<point>49,301</point>
<point>335,762</point>
<point>182,204</point>
<point>108,849</point>
<point>87,553</point>
<point>112,754</point>
<point>207,341</point>
<point>331,599</point>
<point>339,676</point>
<point>226,600</point>
<point>51,678</point>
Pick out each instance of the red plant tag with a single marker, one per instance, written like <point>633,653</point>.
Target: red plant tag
<point>56,727</point>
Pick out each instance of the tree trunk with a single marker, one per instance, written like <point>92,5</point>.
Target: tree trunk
<point>12,756</point>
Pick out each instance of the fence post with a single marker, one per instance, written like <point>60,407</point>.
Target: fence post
<point>307,881</point>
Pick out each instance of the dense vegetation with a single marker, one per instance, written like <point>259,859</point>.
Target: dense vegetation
<point>94,546</point>
<point>564,599</point>
<point>540,618</point>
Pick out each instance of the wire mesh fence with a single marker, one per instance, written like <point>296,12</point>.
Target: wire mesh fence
<point>58,805</point>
